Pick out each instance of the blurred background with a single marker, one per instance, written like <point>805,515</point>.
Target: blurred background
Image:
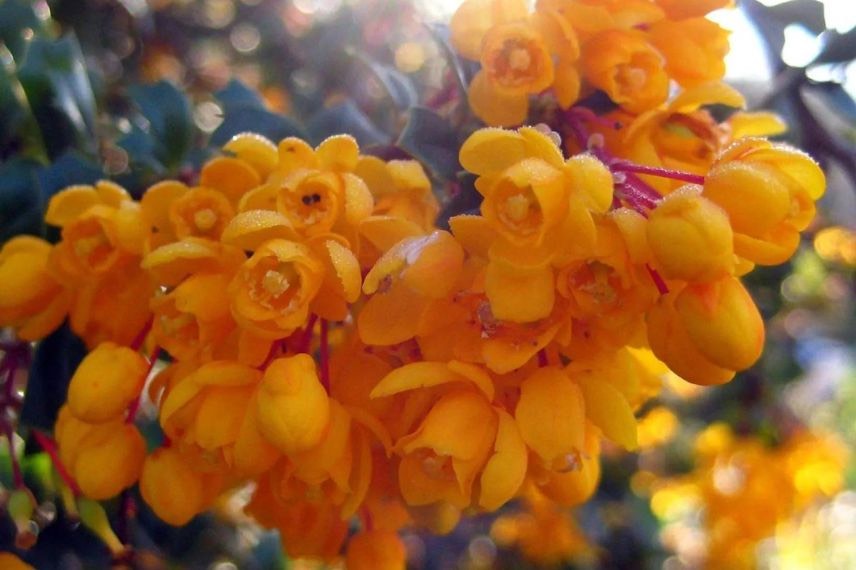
<point>757,473</point>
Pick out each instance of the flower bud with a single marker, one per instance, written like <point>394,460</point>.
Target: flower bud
<point>109,461</point>
<point>94,518</point>
<point>690,237</point>
<point>293,408</point>
<point>722,320</point>
<point>106,382</point>
<point>171,487</point>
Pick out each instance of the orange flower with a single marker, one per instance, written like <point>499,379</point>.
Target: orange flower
<point>193,320</point>
<point>272,290</point>
<point>31,299</point>
<point>103,458</point>
<point>106,382</point>
<point>207,410</point>
<point>694,49</point>
<point>293,409</point>
<point>690,237</point>
<point>401,190</point>
<point>401,284</point>
<point>768,191</point>
<point>174,490</point>
<point>628,68</point>
<point>706,332</point>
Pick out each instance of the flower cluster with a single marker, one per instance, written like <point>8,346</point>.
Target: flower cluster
<point>329,344</point>
<point>631,50</point>
<point>738,474</point>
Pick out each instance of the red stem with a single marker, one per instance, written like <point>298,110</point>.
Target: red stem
<point>658,280</point>
<point>621,166</point>
<point>141,336</point>
<point>49,446</point>
<point>325,355</point>
<point>306,341</point>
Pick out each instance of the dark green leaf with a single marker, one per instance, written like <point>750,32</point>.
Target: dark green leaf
<point>347,118</point>
<point>236,94</point>
<point>466,200</point>
<point>170,119</point>
<point>431,139</point>
<point>60,96</point>
<point>70,168</point>
<point>20,202</point>
<point>54,362</point>
<point>13,109</point>
<point>838,48</point>
<point>243,118</point>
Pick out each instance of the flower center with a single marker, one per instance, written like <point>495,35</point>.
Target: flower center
<point>205,219</point>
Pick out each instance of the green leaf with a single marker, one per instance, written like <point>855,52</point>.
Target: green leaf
<point>238,95</point>
<point>170,119</point>
<point>70,168</point>
<point>20,202</point>
<point>348,118</point>
<point>244,118</point>
<point>54,363</point>
<point>54,78</point>
<point>18,20</point>
<point>432,140</point>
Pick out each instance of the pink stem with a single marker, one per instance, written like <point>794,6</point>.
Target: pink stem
<point>622,166</point>
<point>141,336</point>
<point>658,280</point>
<point>49,445</point>
<point>306,341</point>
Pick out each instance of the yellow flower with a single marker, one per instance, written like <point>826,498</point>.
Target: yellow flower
<point>690,237</point>
<point>401,190</point>
<point>551,415</point>
<point>442,458</point>
<point>694,49</point>
<point>316,190</point>
<point>207,409</point>
<point>401,284</point>
<point>193,320</point>
<point>31,299</point>
<point>103,458</point>
<point>174,490</point>
<point>200,212</point>
<point>706,332</point>
<point>272,290</point>
<point>106,382</point>
<point>293,409</point>
<point>96,304</point>
<point>681,135</point>
<point>627,67</point>
<point>768,191</point>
